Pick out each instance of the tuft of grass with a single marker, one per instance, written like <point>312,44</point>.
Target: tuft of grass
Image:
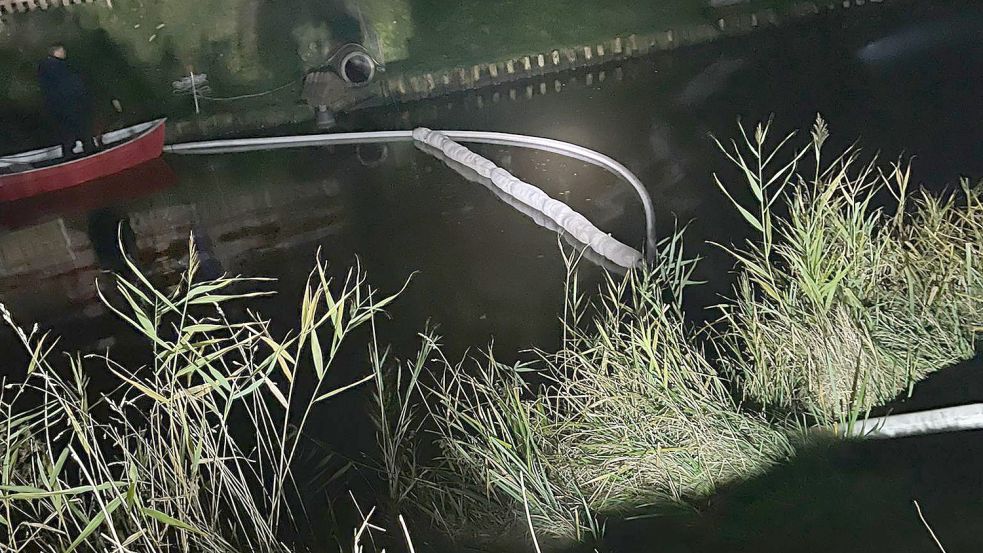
<point>627,412</point>
<point>842,304</point>
<point>157,463</point>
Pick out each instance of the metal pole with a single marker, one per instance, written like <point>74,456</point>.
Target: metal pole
<point>933,421</point>
<point>194,89</point>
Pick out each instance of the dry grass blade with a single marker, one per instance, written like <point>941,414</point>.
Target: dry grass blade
<point>844,304</point>
<point>157,464</point>
<point>931,532</point>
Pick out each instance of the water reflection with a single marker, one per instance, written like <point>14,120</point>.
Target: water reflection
<point>923,39</point>
<point>484,268</point>
<point>109,230</point>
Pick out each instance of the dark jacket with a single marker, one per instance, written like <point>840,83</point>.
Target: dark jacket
<point>65,95</point>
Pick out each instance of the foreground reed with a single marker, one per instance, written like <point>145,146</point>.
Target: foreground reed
<point>844,304</point>
<point>628,412</point>
<point>157,463</point>
<point>841,305</point>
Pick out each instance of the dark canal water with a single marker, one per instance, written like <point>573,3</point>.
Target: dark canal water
<point>903,79</point>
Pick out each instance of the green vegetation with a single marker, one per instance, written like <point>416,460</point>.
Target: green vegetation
<point>845,304</point>
<point>841,305</point>
<point>388,26</point>
<point>138,48</point>
<point>476,31</point>
<point>628,412</point>
<point>158,463</point>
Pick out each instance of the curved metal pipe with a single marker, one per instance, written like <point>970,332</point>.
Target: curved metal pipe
<point>480,137</point>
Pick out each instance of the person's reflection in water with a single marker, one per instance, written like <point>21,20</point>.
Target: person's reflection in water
<point>209,267</point>
<point>108,231</point>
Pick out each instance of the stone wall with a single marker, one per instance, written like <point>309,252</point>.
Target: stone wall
<point>513,78</point>
<point>14,6</point>
<point>416,86</point>
<point>516,92</point>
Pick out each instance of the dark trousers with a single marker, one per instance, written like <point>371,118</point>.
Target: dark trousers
<point>73,128</point>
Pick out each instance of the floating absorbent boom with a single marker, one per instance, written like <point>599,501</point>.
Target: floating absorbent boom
<point>563,219</point>
<point>571,222</point>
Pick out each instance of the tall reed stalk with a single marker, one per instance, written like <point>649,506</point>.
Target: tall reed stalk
<point>843,304</point>
<point>627,412</point>
<point>158,463</point>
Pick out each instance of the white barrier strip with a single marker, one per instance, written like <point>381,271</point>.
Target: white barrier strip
<point>537,217</point>
<point>560,213</point>
<point>948,419</point>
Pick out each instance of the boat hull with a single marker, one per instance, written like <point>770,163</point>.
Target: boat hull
<point>140,149</point>
<point>131,184</point>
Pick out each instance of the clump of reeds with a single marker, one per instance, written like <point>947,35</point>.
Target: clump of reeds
<point>157,464</point>
<point>842,304</point>
<point>627,412</point>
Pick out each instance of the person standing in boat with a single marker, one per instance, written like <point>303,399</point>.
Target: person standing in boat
<point>67,101</point>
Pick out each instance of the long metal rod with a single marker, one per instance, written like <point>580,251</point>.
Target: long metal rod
<point>933,421</point>
<point>479,137</point>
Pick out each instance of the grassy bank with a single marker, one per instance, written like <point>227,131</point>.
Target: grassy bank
<point>195,452</point>
<point>842,304</point>
<point>861,290</point>
<point>256,53</point>
<point>474,31</point>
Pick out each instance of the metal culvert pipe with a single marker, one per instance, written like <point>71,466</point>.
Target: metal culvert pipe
<point>357,68</point>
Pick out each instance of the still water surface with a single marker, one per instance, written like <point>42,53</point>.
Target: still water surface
<point>483,271</point>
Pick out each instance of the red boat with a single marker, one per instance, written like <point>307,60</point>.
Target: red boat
<point>28,174</point>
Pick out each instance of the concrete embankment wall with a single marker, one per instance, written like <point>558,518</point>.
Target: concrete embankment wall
<point>416,86</point>
<point>523,75</point>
